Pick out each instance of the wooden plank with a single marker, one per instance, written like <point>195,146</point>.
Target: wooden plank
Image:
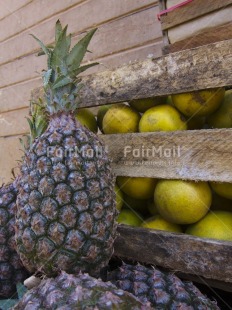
<point>211,259</point>
<point>10,8</point>
<point>190,70</point>
<point>203,155</point>
<point>210,36</point>
<point>10,152</point>
<point>122,40</point>
<point>32,14</point>
<point>203,23</point>
<point>13,123</point>
<point>23,44</point>
<point>21,70</point>
<point>18,95</point>
<point>191,11</point>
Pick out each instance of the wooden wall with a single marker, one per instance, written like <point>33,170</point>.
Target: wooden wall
<point>196,23</point>
<point>128,30</point>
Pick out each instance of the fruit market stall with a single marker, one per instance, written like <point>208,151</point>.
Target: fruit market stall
<point>162,129</point>
<point>206,153</point>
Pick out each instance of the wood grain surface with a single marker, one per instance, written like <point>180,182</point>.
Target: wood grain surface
<point>209,258</point>
<point>110,23</point>
<point>201,155</point>
<point>191,11</point>
<point>204,67</point>
<point>213,35</point>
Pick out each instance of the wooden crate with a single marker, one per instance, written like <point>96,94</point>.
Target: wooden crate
<point>206,154</point>
<point>195,23</point>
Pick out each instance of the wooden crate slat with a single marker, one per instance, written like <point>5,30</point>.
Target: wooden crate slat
<point>211,259</point>
<point>191,11</point>
<point>216,34</point>
<point>203,67</point>
<point>202,155</point>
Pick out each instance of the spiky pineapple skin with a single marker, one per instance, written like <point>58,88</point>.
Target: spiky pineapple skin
<point>69,292</point>
<point>66,215</point>
<point>11,268</point>
<point>162,289</point>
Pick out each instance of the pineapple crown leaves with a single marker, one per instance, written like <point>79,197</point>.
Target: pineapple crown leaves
<point>60,80</point>
<point>38,122</point>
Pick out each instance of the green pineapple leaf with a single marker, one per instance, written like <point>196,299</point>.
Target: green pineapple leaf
<point>47,76</point>
<point>21,289</point>
<point>31,124</point>
<point>62,81</point>
<point>41,52</point>
<point>44,48</point>
<point>40,126</point>
<point>6,304</point>
<point>77,71</point>
<point>58,30</point>
<point>77,53</point>
<point>60,51</point>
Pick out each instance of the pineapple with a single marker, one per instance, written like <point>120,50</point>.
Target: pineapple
<point>11,268</point>
<point>162,289</point>
<point>66,202</point>
<point>69,292</point>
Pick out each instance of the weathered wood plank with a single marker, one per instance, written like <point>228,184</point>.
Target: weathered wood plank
<point>23,44</point>
<point>13,123</point>
<point>203,38</point>
<point>203,155</point>
<point>112,37</point>
<point>9,8</point>
<point>190,155</point>
<point>211,259</point>
<point>191,11</point>
<point>200,68</point>
<point>200,24</point>
<point>32,14</point>
<point>18,95</point>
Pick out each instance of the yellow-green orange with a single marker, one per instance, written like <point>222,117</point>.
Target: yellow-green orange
<point>101,113</point>
<point>157,222</point>
<point>140,188</point>
<point>222,118</point>
<point>162,118</point>
<point>142,105</point>
<point>129,217</point>
<point>199,103</point>
<point>182,202</point>
<point>119,197</point>
<point>223,189</point>
<point>120,119</point>
<point>87,119</point>
<point>215,225</point>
